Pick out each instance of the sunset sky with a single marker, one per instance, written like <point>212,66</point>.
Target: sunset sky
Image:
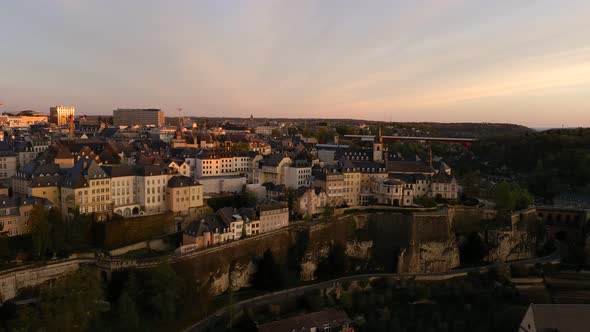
<point>525,62</point>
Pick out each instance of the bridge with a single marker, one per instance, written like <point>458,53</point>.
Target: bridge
<point>466,142</point>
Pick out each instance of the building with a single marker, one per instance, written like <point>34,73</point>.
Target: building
<point>326,320</point>
<point>46,187</point>
<point>148,117</point>
<point>8,164</point>
<point>60,115</point>
<point>22,119</point>
<point>124,190</point>
<point>15,212</point>
<point>310,201</point>
<point>211,163</point>
<point>233,221</point>
<point>86,189</point>
<point>556,317</point>
<point>273,216</point>
<point>183,193</point>
<point>332,182</point>
<point>151,186</point>
<point>297,175</point>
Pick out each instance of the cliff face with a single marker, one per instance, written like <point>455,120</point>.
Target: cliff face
<point>432,246</point>
<point>395,242</point>
<point>507,245</point>
<point>388,242</point>
<point>233,266</point>
<point>429,257</point>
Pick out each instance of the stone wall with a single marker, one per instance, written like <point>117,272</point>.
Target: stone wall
<point>14,280</point>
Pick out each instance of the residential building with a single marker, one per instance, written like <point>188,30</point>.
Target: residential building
<point>46,187</point>
<point>151,186</point>
<point>15,212</point>
<point>297,175</point>
<point>233,221</point>
<point>60,115</point>
<point>138,117</point>
<point>273,216</point>
<point>332,182</point>
<point>556,317</point>
<point>8,164</point>
<point>326,320</point>
<point>183,194</point>
<point>124,190</point>
<point>310,201</point>
<point>86,189</point>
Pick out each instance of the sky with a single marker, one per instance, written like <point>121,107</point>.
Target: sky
<point>525,62</point>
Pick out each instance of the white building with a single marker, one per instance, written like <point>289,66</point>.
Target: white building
<point>151,188</point>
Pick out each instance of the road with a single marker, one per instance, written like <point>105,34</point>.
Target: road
<point>300,290</point>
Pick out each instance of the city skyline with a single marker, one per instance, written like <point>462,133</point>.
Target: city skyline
<point>439,61</point>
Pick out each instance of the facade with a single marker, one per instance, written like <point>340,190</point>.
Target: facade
<point>222,163</point>
<point>273,216</point>
<point>46,187</point>
<point>326,320</point>
<point>297,176</point>
<point>8,164</point>
<point>86,189</point>
<point>151,186</point>
<point>556,317</point>
<point>14,121</point>
<point>310,201</point>
<point>124,190</point>
<point>15,212</point>
<point>183,194</point>
<point>138,117</point>
<point>60,115</point>
<point>332,182</point>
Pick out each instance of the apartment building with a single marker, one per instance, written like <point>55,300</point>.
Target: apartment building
<point>15,212</point>
<point>151,188</point>
<point>46,187</point>
<point>332,182</point>
<point>183,193</point>
<point>124,190</point>
<point>222,163</point>
<point>297,175</point>
<point>86,189</point>
<point>273,216</point>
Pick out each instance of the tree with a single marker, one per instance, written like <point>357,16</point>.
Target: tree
<point>247,199</point>
<point>73,302</point>
<point>40,230</point>
<point>269,275</point>
<point>328,212</point>
<point>276,133</point>
<point>511,196</point>
<point>58,230</point>
<point>161,291</point>
<point>125,315</point>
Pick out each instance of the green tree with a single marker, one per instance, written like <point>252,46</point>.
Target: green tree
<point>328,212</point>
<point>40,230</point>
<point>276,133</point>
<point>73,302</point>
<point>161,291</point>
<point>125,315</point>
<point>58,230</point>
<point>511,196</point>
<point>247,199</point>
